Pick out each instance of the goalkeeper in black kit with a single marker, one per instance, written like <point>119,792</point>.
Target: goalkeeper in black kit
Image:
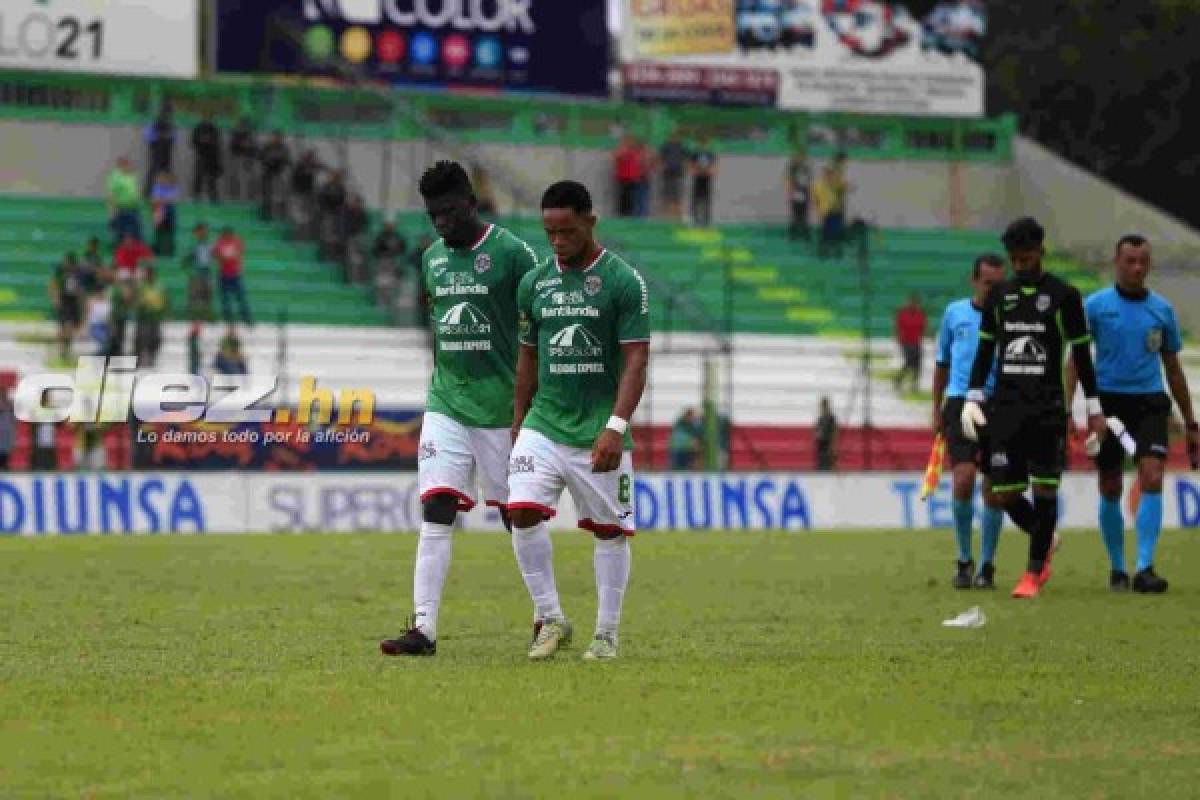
<point>1028,323</point>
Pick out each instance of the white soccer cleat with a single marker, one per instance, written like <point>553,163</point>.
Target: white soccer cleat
<point>554,633</point>
<point>602,648</point>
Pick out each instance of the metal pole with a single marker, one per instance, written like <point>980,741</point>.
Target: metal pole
<point>864,273</point>
<point>727,440</point>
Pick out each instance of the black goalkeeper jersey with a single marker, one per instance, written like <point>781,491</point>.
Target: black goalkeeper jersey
<point>1033,325</point>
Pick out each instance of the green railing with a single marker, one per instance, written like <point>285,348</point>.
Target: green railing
<point>320,110</point>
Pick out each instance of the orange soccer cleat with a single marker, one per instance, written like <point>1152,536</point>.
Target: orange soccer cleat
<point>1029,585</point>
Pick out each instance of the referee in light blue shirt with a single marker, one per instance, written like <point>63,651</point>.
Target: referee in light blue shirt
<point>1137,338</point>
<point>958,337</point>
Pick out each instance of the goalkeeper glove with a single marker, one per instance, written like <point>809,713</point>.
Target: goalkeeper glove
<point>972,415</point>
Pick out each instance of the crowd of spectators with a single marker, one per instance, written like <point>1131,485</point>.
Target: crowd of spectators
<point>634,163</point>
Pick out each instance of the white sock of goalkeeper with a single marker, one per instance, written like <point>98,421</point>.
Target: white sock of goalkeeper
<point>429,575</point>
<point>612,559</point>
<point>535,557</point>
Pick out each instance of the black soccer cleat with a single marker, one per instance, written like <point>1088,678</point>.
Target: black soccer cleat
<point>986,579</point>
<point>962,579</point>
<point>412,643</point>
<point>1118,581</point>
<point>1146,582</point>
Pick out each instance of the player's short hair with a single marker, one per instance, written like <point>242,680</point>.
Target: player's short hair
<point>1023,234</point>
<point>986,260</point>
<point>444,178</point>
<point>568,194</point>
<point>1131,239</point>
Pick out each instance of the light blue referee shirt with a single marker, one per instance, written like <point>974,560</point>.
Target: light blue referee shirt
<point>958,338</point>
<point>1131,334</point>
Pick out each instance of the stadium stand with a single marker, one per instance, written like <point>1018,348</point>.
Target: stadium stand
<point>35,233</point>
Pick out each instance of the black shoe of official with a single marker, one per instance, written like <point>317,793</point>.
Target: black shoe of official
<point>1146,582</point>
<point>412,643</point>
<point>1118,581</point>
<point>986,579</point>
<point>966,569</point>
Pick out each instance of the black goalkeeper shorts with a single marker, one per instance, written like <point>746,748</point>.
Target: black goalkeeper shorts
<point>1145,417</point>
<point>1027,443</point>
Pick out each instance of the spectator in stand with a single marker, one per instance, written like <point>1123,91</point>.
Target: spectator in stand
<point>415,261</point>
<point>243,156</point>
<point>826,437</point>
<point>124,201</point>
<point>910,333</point>
<point>230,360</point>
<point>159,136</point>
<point>193,345</point>
<point>823,201</point>
<point>704,173</point>
<point>274,159</point>
<point>99,320</point>
<point>68,297</point>
<point>206,150</point>
<point>230,253</point>
<point>686,442</point>
<point>304,193</point>
<point>92,269</point>
<point>673,161</point>
<point>629,169</point>
<point>646,157</point>
<point>331,202</point>
<point>485,196</point>
<point>164,197</point>
<point>8,428</point>
<point>198,265</point>
<point>799,186</point>
<point>354,228</point>
<point>129,255</point>
<point>387,252</point>
<point>833,231</point>
<point>122,299</point>
<point>150,306</point>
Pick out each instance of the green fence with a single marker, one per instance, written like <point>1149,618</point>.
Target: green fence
<point>321,110</point>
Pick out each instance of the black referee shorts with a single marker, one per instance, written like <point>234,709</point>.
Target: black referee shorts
<point>1145,416</point>
<point>1028,443</point>
<point>961,449</point>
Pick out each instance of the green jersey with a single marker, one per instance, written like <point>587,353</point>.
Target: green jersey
<point>473,304</point>
<point>578,320</point>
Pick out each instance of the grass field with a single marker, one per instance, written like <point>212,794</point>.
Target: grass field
<point>753,665</point>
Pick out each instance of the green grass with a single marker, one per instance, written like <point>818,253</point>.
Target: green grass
<point>753,665</point>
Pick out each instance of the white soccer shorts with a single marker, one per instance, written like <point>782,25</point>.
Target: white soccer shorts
<point>451,456</point>
<point>539,470</point>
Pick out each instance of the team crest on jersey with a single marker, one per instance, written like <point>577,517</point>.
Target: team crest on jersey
<point>483,262</point>
<point>1043,303</point>
<point>592,285</point>
<point>1154,340</point>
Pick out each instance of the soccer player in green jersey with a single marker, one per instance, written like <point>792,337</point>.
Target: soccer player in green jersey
<point>584,321</point>
<point>471,276</point>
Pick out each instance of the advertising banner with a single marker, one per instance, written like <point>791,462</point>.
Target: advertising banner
<point>857,56</point>
<point>128,37</point>
<point>265,502</point>
<point>528,45</point>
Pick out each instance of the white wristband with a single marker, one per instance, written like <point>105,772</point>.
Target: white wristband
<point>1093,406</point>
<point>975,396</point>
<point>617,424</point>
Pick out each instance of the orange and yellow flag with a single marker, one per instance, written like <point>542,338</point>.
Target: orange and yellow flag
<point>933,470</point>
